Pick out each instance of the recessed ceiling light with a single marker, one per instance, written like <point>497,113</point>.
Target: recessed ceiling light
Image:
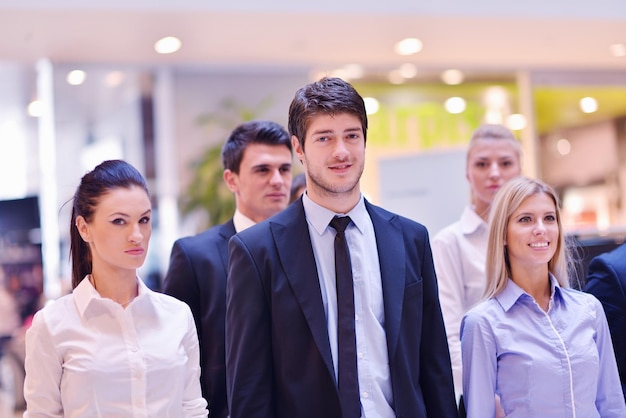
<point>588,104</point>
<point>408,46</point>
<point>35,108</point>
<point>76,77</point>
<point>452,77</point>
<point>618,50</point>
<point>563,146</point>
<point>371,105</point>
<point>516,122</point>
<point>394,77</point>
<point>114,78</point>
<point>167,45</point>
<point>354,71</point>
<point>455,105</point>
<point>408,70</point>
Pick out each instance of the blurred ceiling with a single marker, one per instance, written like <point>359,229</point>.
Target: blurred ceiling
<point>320,35</point>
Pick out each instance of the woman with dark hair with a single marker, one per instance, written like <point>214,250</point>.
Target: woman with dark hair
<point>112,347</point>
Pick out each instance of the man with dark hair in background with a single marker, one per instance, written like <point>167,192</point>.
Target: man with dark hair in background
<point>257,159</point>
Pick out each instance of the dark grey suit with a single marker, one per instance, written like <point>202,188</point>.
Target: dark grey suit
<point>606,280</point>
<point>278,357</point>
<point>197,276</point>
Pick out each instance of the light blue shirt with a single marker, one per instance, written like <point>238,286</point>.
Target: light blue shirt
<point>553,364</point>
<point>371,341</point>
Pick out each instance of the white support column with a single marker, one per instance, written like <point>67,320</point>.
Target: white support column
<point>530,140</point>
<point>48,205</point>
<point>166,164</point>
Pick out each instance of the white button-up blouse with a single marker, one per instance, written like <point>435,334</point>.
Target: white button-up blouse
<point>86,356</point>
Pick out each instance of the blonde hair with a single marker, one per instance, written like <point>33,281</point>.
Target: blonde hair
<point>492,131</point>
<point>508,199</point>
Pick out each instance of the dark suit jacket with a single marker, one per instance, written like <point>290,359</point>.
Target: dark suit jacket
<point>197,276</point>
<point>606,280</point>
<point>278,358</point>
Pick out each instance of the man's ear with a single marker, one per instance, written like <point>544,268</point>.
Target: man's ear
<point>297,149</point>
<point>231,180</point>
<point>83,228</point>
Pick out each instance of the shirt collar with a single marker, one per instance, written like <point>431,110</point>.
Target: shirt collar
<point>85,294</point>
<point>512,292</point>
<point>319,217</point>
<point>241,221</point>
<point>470,221</point>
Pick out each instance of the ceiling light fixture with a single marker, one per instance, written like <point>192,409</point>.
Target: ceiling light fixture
<point>455,105</point>
<point>114,78</point>
<point>408,46</point>
<point>516,122</point>
<point>354,71</point>
<point>35,108</point>
<point>563,146</point>
<point>371,105</point>
<point>407,70</point>
<point>588,104</point>
<point>452,77</point>
<point>394,77</point>
<point>76,77</point>
<point>618,50</point>
<point>167,45</point>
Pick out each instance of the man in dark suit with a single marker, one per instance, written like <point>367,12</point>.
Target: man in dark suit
<point>286,347</point>
<point>606,280</point>
<point>257,159</point>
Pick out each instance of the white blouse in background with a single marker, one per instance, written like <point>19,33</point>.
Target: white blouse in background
<point>86,356</point>
<point>459,254</point>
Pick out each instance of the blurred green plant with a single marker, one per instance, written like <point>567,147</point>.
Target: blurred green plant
<point>207,190</point>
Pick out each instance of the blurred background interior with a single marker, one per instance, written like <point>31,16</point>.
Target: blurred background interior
<point>161,84</point>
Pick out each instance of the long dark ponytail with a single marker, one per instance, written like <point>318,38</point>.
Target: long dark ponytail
<point>108,175</point>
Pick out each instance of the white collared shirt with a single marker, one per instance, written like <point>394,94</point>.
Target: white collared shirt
<point>459,254</point>
<point>371,342</point>
<point>241,221</point>
<point>86,356</point>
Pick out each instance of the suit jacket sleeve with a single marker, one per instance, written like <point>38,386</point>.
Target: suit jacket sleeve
<point>180,281</point>
<point>436,377</point>
<point>249,364</point>
<point>604,283</point>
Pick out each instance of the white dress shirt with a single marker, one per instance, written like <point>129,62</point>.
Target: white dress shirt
<point>371,341</point>
<point>86,356</point>
<point>459,254</point>
<point>241,221</point>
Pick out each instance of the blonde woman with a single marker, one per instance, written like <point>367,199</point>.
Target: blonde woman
<point>543,348</point>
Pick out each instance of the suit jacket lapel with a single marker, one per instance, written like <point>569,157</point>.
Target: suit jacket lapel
<point>392,259</point>
<point>226,230</point>
<point>298,262</point>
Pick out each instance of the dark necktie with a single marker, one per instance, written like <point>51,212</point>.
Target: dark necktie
<point>348,381</point>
